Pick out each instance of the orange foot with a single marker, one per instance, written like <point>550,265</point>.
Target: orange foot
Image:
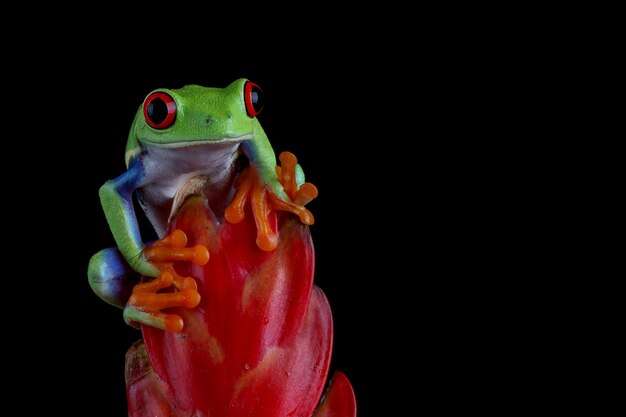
<point>146,302</point>
<point>264,201</point>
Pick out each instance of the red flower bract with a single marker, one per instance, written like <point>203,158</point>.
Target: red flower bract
<point>258,344</point>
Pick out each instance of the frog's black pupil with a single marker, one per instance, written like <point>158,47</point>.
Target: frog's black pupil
<point>256,97</point>
<point>157,110</point>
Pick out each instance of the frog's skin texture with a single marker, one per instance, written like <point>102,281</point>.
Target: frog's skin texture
<point>192,140</point>
<point>232,323</point>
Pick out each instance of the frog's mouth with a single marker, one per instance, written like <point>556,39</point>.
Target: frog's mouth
<point>196,142</point>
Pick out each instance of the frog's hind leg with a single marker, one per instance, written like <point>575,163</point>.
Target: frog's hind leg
<point>146,393</point>
<point>111,278</point>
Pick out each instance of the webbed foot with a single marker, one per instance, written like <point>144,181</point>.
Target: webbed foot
<point>263,200</point>
<point>150,298</point>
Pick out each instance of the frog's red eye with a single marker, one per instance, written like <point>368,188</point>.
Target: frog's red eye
<point>253,96</point>
<point>159,110</point>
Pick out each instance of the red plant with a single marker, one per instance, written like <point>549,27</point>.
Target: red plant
<point>258,340</point>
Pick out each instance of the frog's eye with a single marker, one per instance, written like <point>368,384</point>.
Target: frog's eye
<point>253,96</point>
<point>159,110</point>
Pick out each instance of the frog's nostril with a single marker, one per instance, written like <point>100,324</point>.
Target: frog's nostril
<point>207,120</point>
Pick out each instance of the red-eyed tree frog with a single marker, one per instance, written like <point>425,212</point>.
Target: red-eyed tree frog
<point>183,141</point>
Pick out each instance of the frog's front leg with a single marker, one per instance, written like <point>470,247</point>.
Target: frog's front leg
<point>161,287</point>
<point>283,190</point>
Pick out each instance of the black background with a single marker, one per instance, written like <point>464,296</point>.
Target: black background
<point>425,134</point>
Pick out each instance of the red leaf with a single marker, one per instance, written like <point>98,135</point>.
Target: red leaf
<point>259,342</point>
<point>339,399</point>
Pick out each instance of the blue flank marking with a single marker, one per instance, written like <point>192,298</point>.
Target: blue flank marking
<point>125,185</point>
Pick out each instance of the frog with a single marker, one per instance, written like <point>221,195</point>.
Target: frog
<point>183,141</point>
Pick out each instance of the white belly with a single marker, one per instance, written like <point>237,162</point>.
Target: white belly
<point>168,169</point>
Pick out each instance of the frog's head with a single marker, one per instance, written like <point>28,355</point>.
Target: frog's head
<point>195,115</point>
